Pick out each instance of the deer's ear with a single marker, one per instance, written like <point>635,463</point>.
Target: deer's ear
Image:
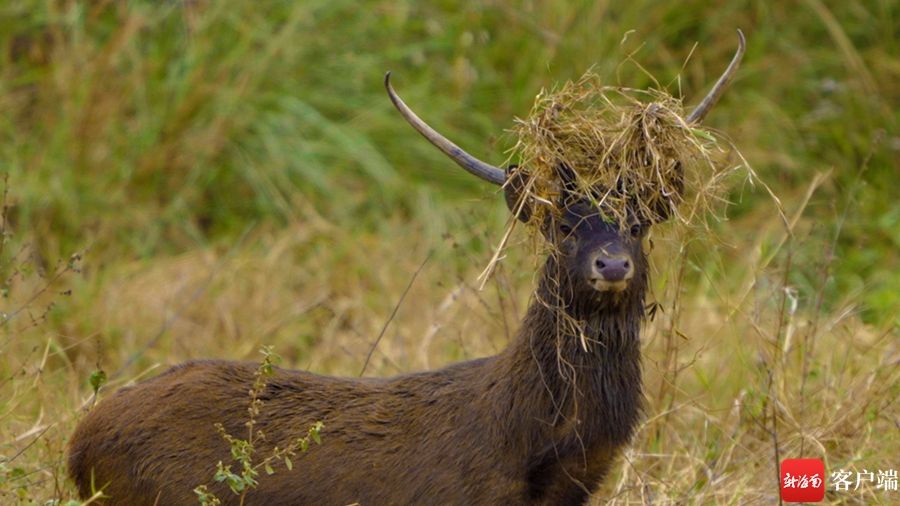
<point>514,191</point>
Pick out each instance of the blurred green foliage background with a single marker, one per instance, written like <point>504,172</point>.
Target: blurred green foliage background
<point>235,175</point>
<point>145,127</point>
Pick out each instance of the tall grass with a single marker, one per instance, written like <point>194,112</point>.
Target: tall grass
<point>237,177</point>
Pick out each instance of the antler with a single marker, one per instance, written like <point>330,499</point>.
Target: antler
<point>715,94</point>
<point>473,165</point>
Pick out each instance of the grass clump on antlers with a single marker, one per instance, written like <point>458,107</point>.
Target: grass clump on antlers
<point>630,151</point>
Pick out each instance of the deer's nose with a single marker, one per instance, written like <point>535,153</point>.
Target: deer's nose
<point>618,268</point>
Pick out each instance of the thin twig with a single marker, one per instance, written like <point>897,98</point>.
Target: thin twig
<point>393,313</point>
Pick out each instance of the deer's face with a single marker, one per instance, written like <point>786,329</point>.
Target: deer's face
<point>596,253</point>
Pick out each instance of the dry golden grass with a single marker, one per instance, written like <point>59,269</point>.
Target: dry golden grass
<point>631,152</point>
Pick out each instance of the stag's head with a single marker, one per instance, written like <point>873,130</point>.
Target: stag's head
<point>594,252</point>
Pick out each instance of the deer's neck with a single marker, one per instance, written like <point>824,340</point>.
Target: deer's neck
<point>575,363</point>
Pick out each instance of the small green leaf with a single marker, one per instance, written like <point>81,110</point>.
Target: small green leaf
<point>269,469</point>
<point>703,134</point>
<point>97,379</point>
<point>288,464</point>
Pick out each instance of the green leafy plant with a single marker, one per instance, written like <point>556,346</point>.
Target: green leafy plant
<point>243,451</point>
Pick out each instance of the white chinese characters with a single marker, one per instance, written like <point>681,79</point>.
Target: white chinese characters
<point>845,480</point>
<point>802,481</point>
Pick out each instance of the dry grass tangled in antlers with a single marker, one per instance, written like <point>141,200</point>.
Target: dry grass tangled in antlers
<point>631,151</point>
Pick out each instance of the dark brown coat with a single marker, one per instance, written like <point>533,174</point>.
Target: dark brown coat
<point>540,423</point>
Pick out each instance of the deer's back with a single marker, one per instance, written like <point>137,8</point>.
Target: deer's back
<point>407,440</point>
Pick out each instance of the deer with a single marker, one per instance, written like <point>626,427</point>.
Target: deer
<point>540,423</point>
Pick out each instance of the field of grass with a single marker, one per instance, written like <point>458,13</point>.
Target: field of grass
<point>199,179</point>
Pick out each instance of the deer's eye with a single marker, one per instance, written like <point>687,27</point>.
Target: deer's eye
<point>564,229</point>
<point>636,230</point>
